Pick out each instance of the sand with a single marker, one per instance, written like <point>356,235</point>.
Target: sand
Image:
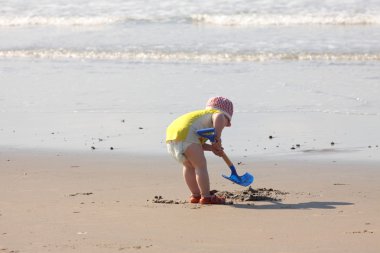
<point>55,201</point>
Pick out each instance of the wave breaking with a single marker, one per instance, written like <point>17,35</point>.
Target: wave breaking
<point>181,56</point>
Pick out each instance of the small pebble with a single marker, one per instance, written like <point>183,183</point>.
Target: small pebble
<point>93,148</point>
<point>111,148</point>
<point>332,143</point>
<point>270,137</point>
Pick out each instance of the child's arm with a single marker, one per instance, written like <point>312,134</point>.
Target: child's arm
<point>208,147</point>
<point>219,122</point>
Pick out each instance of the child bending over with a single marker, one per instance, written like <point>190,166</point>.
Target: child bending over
<point>188,148</point>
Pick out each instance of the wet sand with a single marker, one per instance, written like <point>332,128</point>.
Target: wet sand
<point>55,201</point>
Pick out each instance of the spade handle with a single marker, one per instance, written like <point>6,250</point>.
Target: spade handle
<point>227,160</point>
<point>230,164</point>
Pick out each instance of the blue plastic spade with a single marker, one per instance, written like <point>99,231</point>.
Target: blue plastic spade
<point>244,180</point>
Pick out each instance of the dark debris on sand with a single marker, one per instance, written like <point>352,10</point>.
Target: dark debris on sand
<point>80,193</point>
<point>247,195</point>
<point>161,200</point>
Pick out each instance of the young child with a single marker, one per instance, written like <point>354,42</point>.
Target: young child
<point>187,147</point>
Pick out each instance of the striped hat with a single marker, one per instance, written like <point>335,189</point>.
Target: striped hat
<point>223,104</point>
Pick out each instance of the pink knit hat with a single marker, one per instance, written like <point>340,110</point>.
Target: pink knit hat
<point>223,104</point>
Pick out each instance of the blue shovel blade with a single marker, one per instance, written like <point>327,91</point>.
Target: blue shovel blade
<point>244,180</point>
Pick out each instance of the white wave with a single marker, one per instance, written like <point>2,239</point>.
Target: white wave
<point>58,21</point>
<point>286,20</point>
<point>214,19</point>
<point>162,56</point>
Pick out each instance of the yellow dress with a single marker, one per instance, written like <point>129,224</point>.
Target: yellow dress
<point>184,128</point>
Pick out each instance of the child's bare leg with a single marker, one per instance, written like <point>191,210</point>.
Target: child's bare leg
<point>195,154</point>
<point>190,178</point>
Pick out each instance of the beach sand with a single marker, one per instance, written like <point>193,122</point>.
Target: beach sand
<point>89,87</point>
<point>54,201</point>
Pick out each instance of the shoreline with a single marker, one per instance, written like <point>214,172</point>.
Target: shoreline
<point>311,135</point>
<point>313,156</point>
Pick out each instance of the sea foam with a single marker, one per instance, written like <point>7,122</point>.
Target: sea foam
<point>59,21</point>
<point>186,56</point>
<point>247,19</point>
<point>287,19</point>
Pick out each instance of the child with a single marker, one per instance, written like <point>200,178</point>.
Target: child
<point>188,148</point>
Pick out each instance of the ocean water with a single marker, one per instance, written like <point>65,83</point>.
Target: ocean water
<point>191,31</point>
<point>82,74</point>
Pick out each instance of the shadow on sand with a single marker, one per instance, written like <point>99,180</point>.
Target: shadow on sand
<point>304,206</point>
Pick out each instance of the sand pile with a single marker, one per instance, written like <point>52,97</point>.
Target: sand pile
<point>250,194</point>
<point>247,195</point>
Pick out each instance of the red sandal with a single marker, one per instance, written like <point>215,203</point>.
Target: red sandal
<point>195,199</point>
<point>212,200</point>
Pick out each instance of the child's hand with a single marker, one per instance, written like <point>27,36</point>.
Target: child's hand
<point>216,147</point>
<point>218,152</point>
<point>217,143</point>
